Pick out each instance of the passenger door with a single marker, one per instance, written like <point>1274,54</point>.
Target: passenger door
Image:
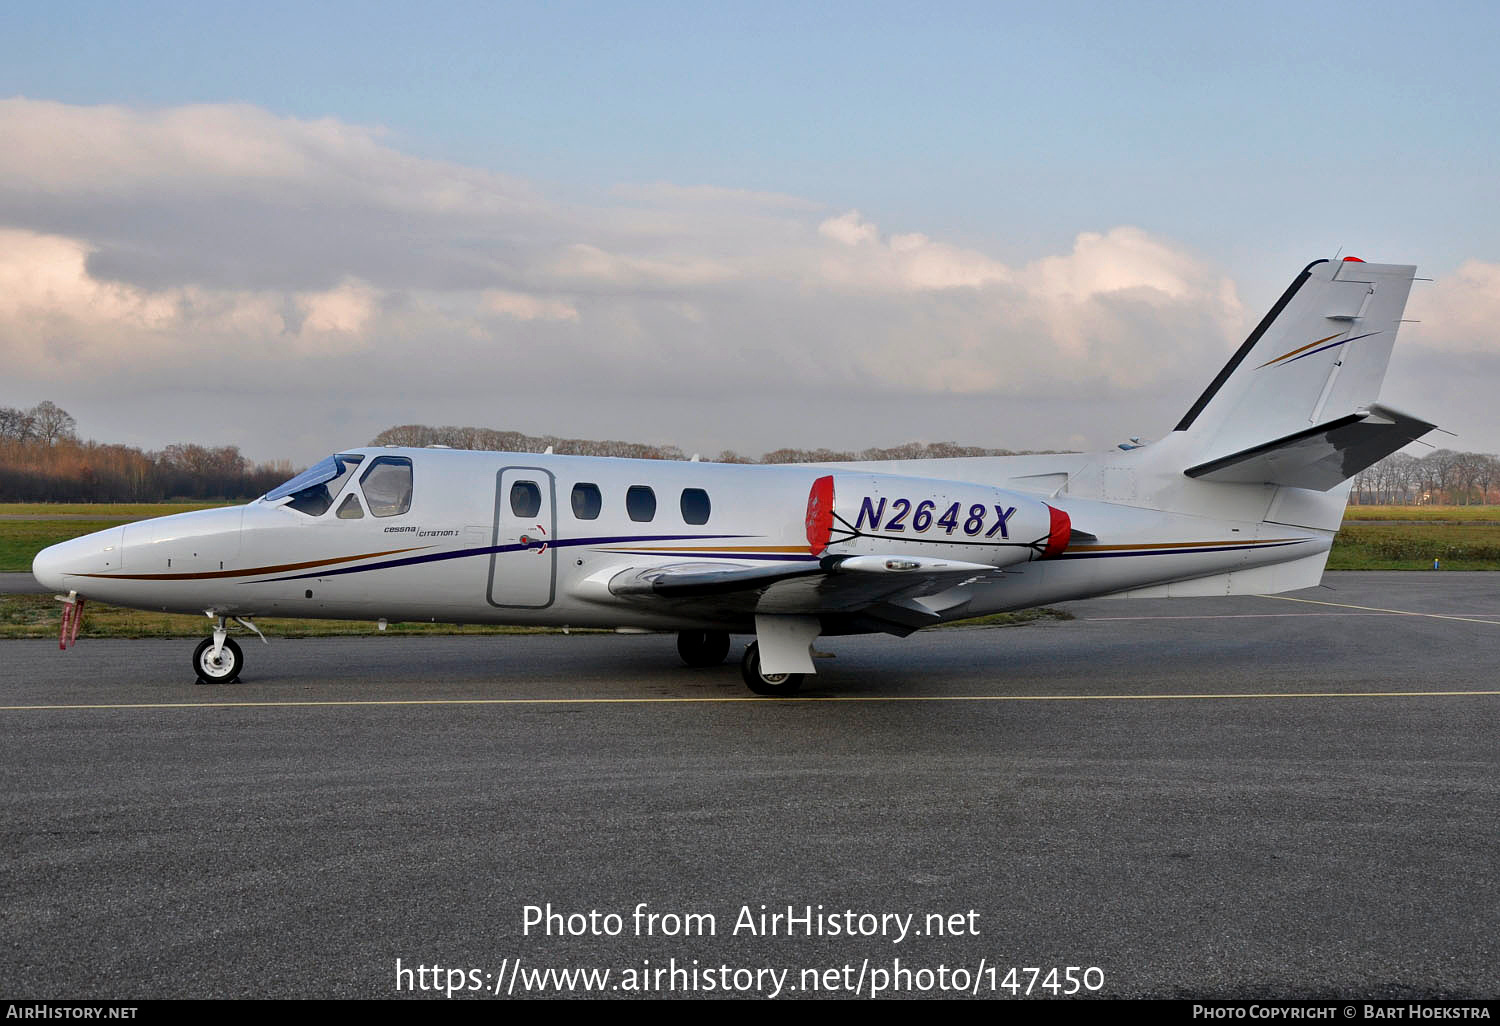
<point>523,569</point>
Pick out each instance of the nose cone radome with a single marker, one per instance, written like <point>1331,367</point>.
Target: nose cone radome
<point>58,567</point>
<point>47,568</point>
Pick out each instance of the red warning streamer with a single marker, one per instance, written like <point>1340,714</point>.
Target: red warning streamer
<point>72,619</point>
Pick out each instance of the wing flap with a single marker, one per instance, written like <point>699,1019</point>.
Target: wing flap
<point>833,585</point>
<point>694,580</point>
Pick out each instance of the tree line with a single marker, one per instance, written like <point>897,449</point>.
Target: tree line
<point>514,441</point>
<point>1441,477</point>
<point>42,459</point>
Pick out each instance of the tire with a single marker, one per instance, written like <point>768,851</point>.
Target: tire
<point>226,670</point>
<point>781,685</point>
<point>702,648</point>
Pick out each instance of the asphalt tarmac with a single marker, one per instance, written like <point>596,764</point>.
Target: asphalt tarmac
<point>20,584</point>
<point>1248,797</point>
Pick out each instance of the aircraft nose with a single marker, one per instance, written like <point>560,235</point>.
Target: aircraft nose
<point>47,567</point>
<point>56,566</point>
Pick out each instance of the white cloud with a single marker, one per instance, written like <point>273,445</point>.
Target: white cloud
<point>850,229</point>
<point>528,308</point>
<point>45,285</point>
<point>57,317</point>
<point>59,148</point>
<point>909,261</point>
<point>585,264</point>
<point>1460,312</point>
<point>156,242</point>
<point>346,310</point>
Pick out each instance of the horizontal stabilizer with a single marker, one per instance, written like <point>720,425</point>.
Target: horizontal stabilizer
<point>1320,457</point>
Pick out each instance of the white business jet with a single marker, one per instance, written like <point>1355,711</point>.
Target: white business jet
<point>1243,497</point>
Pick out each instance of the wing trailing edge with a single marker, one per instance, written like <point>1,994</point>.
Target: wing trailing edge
<point>689,580</point>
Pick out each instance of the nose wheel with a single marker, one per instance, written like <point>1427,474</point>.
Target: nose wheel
<point>218,660</point>
<point>780,684</point>
<point>221,667</point>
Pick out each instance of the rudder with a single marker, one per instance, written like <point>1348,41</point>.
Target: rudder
<point>1316,359</point>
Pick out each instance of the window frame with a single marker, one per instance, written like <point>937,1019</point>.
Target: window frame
<point>630,512</point>
<point>389,461</point>
<point>598,506</point>
<point>535,489</point>
<point>340,467</point>
<point>708,506</point>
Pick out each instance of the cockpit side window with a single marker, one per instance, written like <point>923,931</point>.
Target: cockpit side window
<point>387,486</point>
<point>350,509</point>
<point>314,490</point>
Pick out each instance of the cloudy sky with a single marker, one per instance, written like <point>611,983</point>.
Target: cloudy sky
<point>289,226</point>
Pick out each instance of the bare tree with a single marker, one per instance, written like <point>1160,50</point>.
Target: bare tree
<point>16,425</point>
<point>1488,476</point>
<point>52,423</point>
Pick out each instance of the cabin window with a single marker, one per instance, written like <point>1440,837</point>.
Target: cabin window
<point>587,501</point>
<point>350,509</point>
<point>695,506</point>
<point>387,486</point>
<point>525,499</point>
<point>313,490</point>
<point>640,503</point>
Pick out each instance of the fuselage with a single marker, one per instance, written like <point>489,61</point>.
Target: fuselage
<point>516,538</point>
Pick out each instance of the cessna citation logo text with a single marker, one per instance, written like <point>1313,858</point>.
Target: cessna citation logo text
<point>421,533</point>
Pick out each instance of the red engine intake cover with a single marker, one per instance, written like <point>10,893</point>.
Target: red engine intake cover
<point>820,515</point>
<point>1062,531</point>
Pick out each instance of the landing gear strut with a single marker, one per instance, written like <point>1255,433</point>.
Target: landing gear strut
<point>702,648</point>
<point>781,684</point>
<point>218,660</point>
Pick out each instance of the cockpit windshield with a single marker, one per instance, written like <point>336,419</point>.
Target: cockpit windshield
<point>314,489</point>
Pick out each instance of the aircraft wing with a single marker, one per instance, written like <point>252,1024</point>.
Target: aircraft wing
<point>887,593</point>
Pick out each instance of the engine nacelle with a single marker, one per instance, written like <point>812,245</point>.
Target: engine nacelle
<point>853,514</point>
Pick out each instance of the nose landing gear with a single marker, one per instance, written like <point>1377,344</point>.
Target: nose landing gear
<point>218,660</point>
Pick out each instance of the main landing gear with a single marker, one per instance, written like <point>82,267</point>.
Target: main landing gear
<point>779,684</point>
<point>708,648</point>
<point>702,648</point>
<point>218,660</point>
<point>787,641</point>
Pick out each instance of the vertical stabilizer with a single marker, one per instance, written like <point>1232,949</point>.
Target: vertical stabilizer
<point>1317,357</point>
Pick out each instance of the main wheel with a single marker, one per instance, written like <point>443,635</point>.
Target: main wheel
<point>223,670</point>
<point>702,648</point>
<point>782,684</point>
